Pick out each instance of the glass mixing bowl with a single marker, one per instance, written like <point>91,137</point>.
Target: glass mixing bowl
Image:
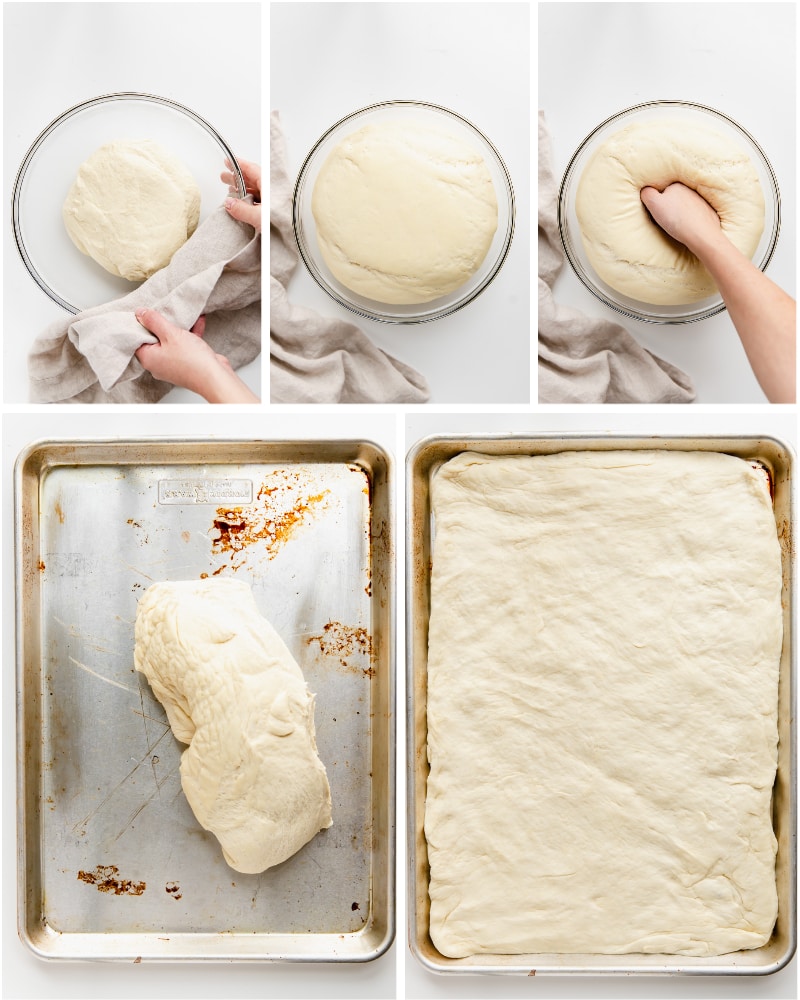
<point>571,233</point>
<point>305,229</point>
<point>70,278</point>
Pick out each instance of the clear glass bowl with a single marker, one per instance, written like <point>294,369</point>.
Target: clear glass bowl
<point>571,233</point>
<point>70,278</point>
<point>305,229</point>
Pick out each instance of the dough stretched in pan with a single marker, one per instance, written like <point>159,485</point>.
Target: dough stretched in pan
<point>627,249</point>
<point>404,213</point>
<point>233,692</point>
<point>604,645</point>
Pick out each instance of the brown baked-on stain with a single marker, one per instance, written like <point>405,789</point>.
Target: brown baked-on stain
<point>106,879</point>
<point>173,890</point>
<point>285,502</point>
<point>343,641</point>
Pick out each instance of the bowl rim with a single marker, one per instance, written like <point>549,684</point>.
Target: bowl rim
<point>672,320</point>
<point>39,141</point>
<point>411,318</point>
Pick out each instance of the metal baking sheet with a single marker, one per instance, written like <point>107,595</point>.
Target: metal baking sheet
<point>112,863</point>
<point>422,462</point>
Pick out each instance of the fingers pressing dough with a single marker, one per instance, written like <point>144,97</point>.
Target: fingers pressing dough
<point>625,246</point>
<point>132,205</point>
<point>404,213</point>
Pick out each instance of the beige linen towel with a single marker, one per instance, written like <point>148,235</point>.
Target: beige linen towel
<point>89,358</point>
<point>314,358</point>
<point>584,359</point>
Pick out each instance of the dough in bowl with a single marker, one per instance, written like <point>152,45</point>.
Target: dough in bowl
<point>132,205</point>
<point>404,213</point>
<point>626,248</point>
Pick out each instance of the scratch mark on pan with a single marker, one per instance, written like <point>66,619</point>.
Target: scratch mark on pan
<point>144,720</point>
<point>151,718</point>
<point>135,569</point>
<point>146,802</point>
<point>119,784</point>
<point>94,673</point>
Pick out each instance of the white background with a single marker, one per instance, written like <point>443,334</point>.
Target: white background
<point>217,49</point>
<point>736,57</point>
<point>206,56</point>
<point>471,57</point>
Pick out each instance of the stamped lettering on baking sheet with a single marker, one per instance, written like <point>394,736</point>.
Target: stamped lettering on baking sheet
<point>199,491</point>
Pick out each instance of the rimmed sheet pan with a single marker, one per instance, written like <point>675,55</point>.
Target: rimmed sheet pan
<point>422,462</point>
<point>112,863</point>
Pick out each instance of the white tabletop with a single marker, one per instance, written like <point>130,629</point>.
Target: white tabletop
<point>63,54</point>
<point>598,58</point>
<point>328,59</point>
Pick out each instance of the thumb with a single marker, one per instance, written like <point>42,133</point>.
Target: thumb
<point>155,323</point>
<point>649,195</point>
<point>242,210</point>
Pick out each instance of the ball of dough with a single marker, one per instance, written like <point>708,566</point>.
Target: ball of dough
<point>627,249</point>
<point>132,205</point>
<point>404,213</point>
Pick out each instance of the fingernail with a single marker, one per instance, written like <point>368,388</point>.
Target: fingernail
<point>229,203</point>
<point>139,313</point>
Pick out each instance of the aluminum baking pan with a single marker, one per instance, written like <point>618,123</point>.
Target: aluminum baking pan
<point>423,460</point>
<point>112,863</point>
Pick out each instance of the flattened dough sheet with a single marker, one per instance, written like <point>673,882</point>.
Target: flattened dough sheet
<point>604,645</point>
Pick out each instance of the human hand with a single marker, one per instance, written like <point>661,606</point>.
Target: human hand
<point>239,209</point>
<point>183,358</point>
<point>683,214</point>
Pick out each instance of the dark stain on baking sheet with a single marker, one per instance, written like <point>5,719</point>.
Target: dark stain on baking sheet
<point>142,535</point>
<point>344,641</point>
<point>285,503</point>
<point>106,879</point>
<point>760,467</point>
<point>173,889</point>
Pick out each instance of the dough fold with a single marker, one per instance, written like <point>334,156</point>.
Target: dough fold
<point>233,692</point>
<point>132,205</point>
<point>404,213</point>
<point>604,645</point>
<point>627,249</point>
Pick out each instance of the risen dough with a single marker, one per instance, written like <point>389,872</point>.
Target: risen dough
<point>625,247</point>
<point>605,633</point>
<point>233,692</point>
<point>404,213</point>
<point>132,205</point>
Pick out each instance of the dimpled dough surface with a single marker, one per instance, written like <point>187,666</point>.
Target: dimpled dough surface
<point>625,247</point>
<point>605,634</point>
<point>232,690</point>
<point>404,213</point>
<point>132,205</point>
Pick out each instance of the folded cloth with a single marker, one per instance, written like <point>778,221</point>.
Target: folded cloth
<point>89,358</point>
<point>313,358</point>
<point>583,359</point>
